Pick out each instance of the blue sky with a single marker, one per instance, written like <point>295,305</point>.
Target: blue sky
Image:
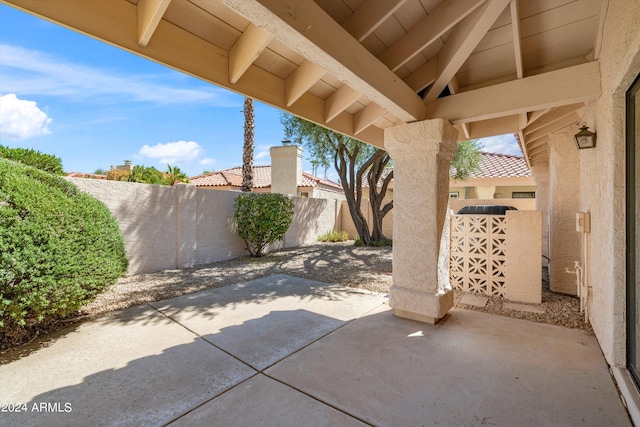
<point>94,105</point>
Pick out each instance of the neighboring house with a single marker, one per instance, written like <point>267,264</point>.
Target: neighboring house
<point>501,176</point>
<point>284,176</point>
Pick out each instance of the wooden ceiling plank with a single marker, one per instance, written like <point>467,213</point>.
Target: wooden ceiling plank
<point>580,83</point>
<point>368,17</point>
<point>552,116</point>
<point>539,150</point>
<point>461,42</point>
<point>305,76</point>
<point>517,46</point>
<point>433,26</point>
<point>150,13</point>
<point>365,117</point>
<point>538,142</point>
<point>339,101</point>
<point>553,127</point>
<point>246,50</point>
<point>306,28</point>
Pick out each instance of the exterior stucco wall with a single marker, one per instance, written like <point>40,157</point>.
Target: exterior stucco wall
<point>346,223</point>
<point>506,192</point>
<point>564,185</point>
<point>602,178</point>
<point>182,226</point>
<point>319,193</point>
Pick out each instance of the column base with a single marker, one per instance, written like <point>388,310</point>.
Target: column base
<point>420,305</point>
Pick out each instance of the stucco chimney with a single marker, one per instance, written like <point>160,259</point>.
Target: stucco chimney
<point>286,169</point>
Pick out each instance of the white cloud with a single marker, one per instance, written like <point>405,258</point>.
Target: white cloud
<point>32,72</point>
<point>172,152</point>
<point>207,161</point>
<point>263,152</point>
<point>21,119</point>
<point>503,144</point>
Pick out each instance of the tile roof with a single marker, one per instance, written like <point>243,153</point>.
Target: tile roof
<point>261,179</point>
<point>496,165</point>
<point>85,175</point>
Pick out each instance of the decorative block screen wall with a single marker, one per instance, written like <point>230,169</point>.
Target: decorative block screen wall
<point>478,253</point>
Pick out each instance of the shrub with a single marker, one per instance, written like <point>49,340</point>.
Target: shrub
<point>334,236</point>
<point>146,175</point>
<point>262,219</point>
<point>45,162</point>
<point>59,247</point>
<point>114,174</point>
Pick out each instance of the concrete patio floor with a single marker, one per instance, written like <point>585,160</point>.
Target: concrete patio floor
<point>283,351</point>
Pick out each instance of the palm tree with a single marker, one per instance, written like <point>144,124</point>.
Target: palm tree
<point>247,150</point>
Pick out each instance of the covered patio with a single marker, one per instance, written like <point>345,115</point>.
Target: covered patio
<point>414,77</point>
<point>283,351</point>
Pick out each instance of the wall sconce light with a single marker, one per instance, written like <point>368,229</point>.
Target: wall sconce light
<point>585,138</point>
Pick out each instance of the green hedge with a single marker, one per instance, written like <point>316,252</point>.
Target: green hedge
<point>45,162</point>
<point>262,219</point>
<point>59,247</point>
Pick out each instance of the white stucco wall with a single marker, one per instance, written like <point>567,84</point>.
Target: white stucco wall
<point>182,226</point>
<point>602,178</point>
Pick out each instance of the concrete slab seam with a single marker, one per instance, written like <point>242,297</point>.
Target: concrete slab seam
<point>319,400</point>
<point>205,340</point>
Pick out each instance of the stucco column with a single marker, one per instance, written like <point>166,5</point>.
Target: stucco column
<point>564,202</point>
<point>421,153</point>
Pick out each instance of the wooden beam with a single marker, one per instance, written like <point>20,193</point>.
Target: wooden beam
<point>493,127</point>
<point>553,127</point>
<point>580,83</point>
<point>439,21</point>
<point>305,27</point>
<point>339,101</point>
<point>424,76</point>
<point>535,115</point>
<point>454,87</point>
<point>368,16</point>
<point>523,148</point>
<point>461,42</point>
<point>517,48</point>
<point>365,117</point>
<point>301,80</point>
<point>246,50</point>
<point>552,116</point>
<point>150,13</point>
<point>604,12</point>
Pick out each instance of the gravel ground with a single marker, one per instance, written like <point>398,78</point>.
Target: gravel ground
<point>338,263</point>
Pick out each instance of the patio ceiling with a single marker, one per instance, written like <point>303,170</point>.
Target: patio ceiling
<point>359,66</point>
